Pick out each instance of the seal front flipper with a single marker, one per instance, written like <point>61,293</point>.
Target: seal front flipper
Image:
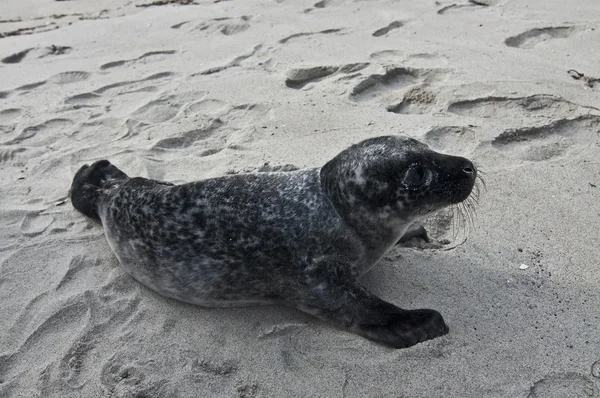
<point>88,184</point>
<point>415,230</point>
<point>403,328</point>
<point>353,308</point>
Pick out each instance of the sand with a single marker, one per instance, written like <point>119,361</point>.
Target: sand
<point>183,92</point>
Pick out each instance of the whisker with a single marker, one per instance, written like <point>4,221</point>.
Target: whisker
<point>472,213</point>
<point>455,221</point>
<point>464,216</point>
<point>453,207</point>
<point>477,190</point>
<point>469,220</point>
<point>479,178</point>
<point>473,207</point>
<point>464,213</point>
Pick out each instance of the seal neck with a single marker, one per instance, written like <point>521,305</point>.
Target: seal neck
<point>378,227</point>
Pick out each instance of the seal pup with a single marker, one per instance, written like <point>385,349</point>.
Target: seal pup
<point>300,238</point>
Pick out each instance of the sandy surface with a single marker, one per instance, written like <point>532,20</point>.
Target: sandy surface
<point>183,92</point>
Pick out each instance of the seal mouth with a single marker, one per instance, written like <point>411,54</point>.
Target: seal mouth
<point>465,206</point>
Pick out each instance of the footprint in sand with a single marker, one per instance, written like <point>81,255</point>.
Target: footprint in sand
<point>54,334</point>
<point>300,77</point>
<point>306,34</point>
<point>60,79</point>
<point>188,138</point>
<point>69,77</point>
<point>126,376</point>
<point>209,106</point>
<point>83,100</point>
<point>34,224</point>
<point>417,100</point>
<point>35,52</point>
<point>179,24</point>
<point>10,155</point>
<point>384,31</point>
<point>471,5</point>
<point>548,141</point>
<point>225,26</point>
<point>247,390</point>
<point>16,57</point>
<point>386,55</point>
<point>247,116</point>
<point>558,385</point>
<point>78,265</point>
<point>157,111</point>
<point>533,37</point>
<point>132,85</point>
<point>74,363</point>
<point>201,123</point>
<point>506,107</point>
<point>107,95</point>
<point>461,139</point>
<point>106,314</point>
<point>166,108</point>
<point>321,4</point>
<point>151,56</point>
<point>7,129</point>
<point>43,133</point>
<point>418,60</point>
<point>28,87</point>
<point>10,114</point>
<point>237,61</point>
<point>393,79</point>
<point>220,368</point>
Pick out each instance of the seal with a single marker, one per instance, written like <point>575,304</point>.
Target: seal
<point>300,239</point>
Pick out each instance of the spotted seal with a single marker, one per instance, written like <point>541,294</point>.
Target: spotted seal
<point>300,238</point>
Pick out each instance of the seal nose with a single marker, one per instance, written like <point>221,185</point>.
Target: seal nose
<point>469,169</point>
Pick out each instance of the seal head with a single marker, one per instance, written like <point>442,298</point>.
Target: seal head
<point>382,185</point>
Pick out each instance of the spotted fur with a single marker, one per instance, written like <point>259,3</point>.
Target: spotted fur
<point>300,238</point>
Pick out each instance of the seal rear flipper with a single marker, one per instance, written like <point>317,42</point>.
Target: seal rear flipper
<point>88,184</point>
<point>355,309</point>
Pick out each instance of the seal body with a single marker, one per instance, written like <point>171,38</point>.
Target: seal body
<point>300,238</point>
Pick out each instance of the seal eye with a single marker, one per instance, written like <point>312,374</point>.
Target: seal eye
<point>415,177</point>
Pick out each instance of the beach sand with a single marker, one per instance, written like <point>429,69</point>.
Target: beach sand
<point>184,92</point>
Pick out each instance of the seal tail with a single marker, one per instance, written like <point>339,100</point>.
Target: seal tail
<point>88,184</point>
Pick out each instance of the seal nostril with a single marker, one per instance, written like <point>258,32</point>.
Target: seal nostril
<point>469,169</point>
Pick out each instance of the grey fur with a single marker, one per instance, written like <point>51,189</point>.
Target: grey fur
<point>300,238</point>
